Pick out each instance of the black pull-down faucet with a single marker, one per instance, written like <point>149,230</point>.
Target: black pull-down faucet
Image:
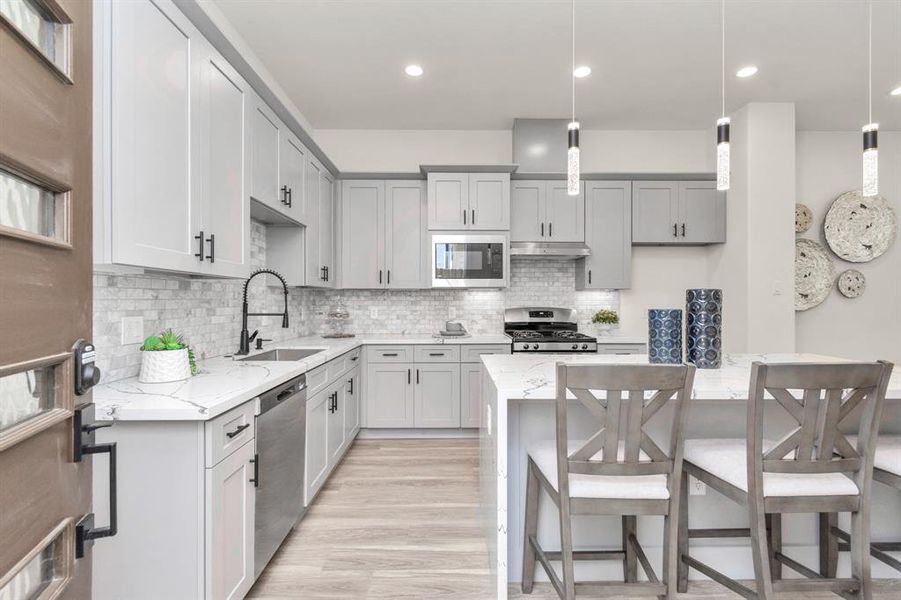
<point>245,334</point>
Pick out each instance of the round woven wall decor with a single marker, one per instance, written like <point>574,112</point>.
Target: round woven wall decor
<point>852,283</point>
<point>803,218</point>
<point>814,274</point>
<point>859,229</point>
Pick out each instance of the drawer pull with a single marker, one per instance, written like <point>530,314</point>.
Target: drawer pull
<point>232,434</point>
<point>354,358</point>
<point>436,353</point>
<point>389,353</point>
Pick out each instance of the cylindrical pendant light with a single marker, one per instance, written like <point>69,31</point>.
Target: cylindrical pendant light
<point>870,130</point>
<point>572,133</point>
<point>722,124</point>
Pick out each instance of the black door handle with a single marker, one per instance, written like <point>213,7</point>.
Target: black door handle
<point>683,229</point>
<point>200,239</point>
<point>256,470</point>
<point>389,276</point>
<point>473,216</point>
<point>675,230</point>
<point>589,276</point>
<point>290,197</point>
<point>351,382</point>
<point>550,230</point>
<point>464,216</point>
<point>417,376</point>
<point>380,277</point>
<point>232,434</point>
<point>326,273</point>
<point>85,532</point>
<point>212,241</point>
<point>408,376</point>
<point>542,230</point>
<point>285,195</point>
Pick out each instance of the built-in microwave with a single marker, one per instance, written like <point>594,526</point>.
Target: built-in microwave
<point>471,260</point>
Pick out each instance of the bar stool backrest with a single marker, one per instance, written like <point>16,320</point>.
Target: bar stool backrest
<point>820,398</point>
<point>623,398</point>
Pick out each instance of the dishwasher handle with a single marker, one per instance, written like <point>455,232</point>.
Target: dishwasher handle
<point>296,387</point>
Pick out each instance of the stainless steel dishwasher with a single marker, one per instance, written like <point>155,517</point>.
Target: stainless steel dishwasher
<point>278,475</point>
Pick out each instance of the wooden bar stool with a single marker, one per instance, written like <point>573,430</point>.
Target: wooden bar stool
<point>619,470</point>
<point>886,470</point>
<point>804,471</point>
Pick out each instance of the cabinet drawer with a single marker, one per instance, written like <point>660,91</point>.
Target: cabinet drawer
<point>339,366</point>
<point>390,354</point>
<point>621,349</point>
<point>436,353</point>
<point>471,354</point>
<point>317,379</point>
<point>228,432</point>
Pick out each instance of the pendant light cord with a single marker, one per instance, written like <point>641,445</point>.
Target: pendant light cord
<point>723,51</point>
<point>573,72</point>
<point>870,60</point>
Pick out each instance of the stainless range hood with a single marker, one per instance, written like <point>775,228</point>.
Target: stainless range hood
<point>560,250</point>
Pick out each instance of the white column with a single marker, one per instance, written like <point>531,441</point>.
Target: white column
<point>755,268</point>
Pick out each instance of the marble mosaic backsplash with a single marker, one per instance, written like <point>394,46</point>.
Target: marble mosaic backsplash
<point>208,312</point>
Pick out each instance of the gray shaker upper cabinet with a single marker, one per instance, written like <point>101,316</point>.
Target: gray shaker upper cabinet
<point>542,211</point>
<point>608,232</point>
<point>292,164</point>
<point>469,201</point>
<point>267,132</point>
<point>678,212</point>
<point>383,234</point>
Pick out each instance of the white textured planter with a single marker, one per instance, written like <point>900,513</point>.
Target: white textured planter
<point>605,329</point>
<point>163,366</point>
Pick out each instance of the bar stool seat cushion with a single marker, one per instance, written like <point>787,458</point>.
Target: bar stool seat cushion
<point>727,460</point>
<point>888,452</point>
<point>638,487</point>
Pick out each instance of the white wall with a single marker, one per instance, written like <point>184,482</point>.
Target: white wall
<point>868,327</point>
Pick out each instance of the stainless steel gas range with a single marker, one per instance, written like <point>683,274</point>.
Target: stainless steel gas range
<point>537,329</point>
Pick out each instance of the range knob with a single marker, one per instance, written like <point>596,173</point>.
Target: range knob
<point>575,346</point>
<point>525,346</point>
<point>534,346</point>
<point>584,346</point>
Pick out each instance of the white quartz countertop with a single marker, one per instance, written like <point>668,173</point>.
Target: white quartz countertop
<point>224,383</point>
<point>533,376</point>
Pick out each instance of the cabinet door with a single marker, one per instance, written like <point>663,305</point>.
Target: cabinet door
<point>316,468</point>
<point>489,200</point>
<point>527,206</point>
<point>702,213</point>
<point>327,228</point>
<point>335,418</point>
<point>470,395</point>
<point>291,189</point>
<point>389,395</point>
<point>265,148</point>
<point>315,275</point>
<point>230,497</point>
<point>405,235</point>
<point>352,391</point>
<point>226,169</point>
<point>565,213</point>
<point>362,234</point>
<point>437,396</point>
<point>155,181</point>
<point>655,212</point>
<point>608,232</point>
<point>448,201</point>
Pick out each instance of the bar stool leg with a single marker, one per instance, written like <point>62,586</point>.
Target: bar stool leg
<point>630,560</point>
<point>860,551</point>
<point>828,545</point>
<point>774,528</point>
<point>760,551</point>
<point>671,524</point>
<point>682,544</point>
<point>566,549</point>
<point>533,490</point>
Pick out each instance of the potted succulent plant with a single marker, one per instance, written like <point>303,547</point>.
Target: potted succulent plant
<point>605,320</point>
<point>165,358</point>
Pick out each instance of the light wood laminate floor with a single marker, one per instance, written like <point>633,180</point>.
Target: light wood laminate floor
<point>398,520</point>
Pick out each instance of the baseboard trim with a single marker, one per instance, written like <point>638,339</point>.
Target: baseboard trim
<point>412,434</point>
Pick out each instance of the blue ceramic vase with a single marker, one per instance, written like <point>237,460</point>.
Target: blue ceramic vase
<point>665,336</point>
<point>704,327</point>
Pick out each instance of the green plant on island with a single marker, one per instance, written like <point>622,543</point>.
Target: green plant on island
<point>167,341</point>
<point>605,317</point>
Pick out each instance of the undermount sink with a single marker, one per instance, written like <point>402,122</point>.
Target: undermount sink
<point>284,354</point>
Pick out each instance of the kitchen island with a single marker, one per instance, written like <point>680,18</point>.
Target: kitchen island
<point>518,394</point>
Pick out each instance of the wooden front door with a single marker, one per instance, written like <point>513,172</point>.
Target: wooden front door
<point>45,294</point>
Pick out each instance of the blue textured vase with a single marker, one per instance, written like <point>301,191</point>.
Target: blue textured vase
<point>704,327</point>
<point>665,336</point>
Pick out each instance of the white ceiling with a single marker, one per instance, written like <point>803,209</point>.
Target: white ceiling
<point>656,63</point>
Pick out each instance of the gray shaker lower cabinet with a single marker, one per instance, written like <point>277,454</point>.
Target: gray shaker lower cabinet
<point>470,395</point>
<point>608,232</point>
<point>437,395</point>
<point>389,395</point>
<point>317,449</point>
<point>186,504</point>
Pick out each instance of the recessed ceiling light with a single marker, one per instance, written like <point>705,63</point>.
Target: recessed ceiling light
<point>748,71</point>
<point>583,71</point>
<point>413,70</point>
<point>896,91</point>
